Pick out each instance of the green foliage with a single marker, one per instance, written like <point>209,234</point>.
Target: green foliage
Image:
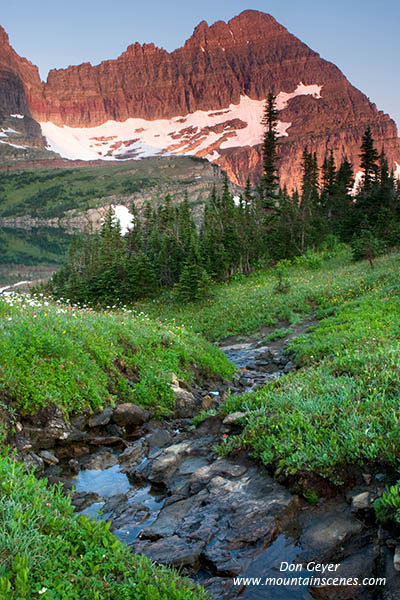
<point>81,360</point>
<point>342,407</point>
<point>46,549</point>
<point>387,507</point>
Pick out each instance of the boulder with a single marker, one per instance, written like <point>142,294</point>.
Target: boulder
<point>48,457</point>
<point>101,419</point>
<point>232,418</point>
<point>128,415</point>
<point>186,403</point>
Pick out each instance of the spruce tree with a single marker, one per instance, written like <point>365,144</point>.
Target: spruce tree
<point>369,157</point>
<point>269,183</point>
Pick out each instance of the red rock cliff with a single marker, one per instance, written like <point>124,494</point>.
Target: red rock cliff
<point>248,56</point>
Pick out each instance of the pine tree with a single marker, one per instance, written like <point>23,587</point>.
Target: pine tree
<point>269,183</point>
<point>369,157</point>
<point>194,280</point>
<point>328,184</point>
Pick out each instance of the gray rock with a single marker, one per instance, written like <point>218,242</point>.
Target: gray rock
<point>101,419</point>
<point>233,418</point>
<point>186,403</point>
<point>22,443</point>
<point>82,500</point>
<point>163,466</point>
<point>173,551</point>
<point>359,565</point>
<point>133,454</point>
<point>48,457</point>
<point>328,528</point>
<point>32,461</point>
<point>158,438</point>
<point>74,466</point>
<point>289,367</point>
<point>129,415</point>
<point>396,559</point>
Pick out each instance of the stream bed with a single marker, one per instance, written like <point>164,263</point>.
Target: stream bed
<point>169,495</point>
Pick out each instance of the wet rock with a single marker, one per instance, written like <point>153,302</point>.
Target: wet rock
<point>192,464</point>
<point>170,519</point>
<point>232,418</point>
<point>163,466</point>
<point>128,415</point>
<point>133,454</point>
<point>221,562</point>
<point>48,457</point>
<point>396,559</point>
<point>327,529</point>
<point>158,438</point>
<point>82,500</point>
<point>114,502</point>
<point>390,591</point>
<point>74,466</point>
<point>357,566</point>
<point>101,419</point>
<point>173,551</point>
<point>100,461</point>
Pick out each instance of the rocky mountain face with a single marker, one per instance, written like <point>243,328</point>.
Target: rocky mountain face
<point>203,99</point>
<point>19,84</point>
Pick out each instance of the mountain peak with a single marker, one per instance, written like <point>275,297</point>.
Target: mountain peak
<point>205,99</point>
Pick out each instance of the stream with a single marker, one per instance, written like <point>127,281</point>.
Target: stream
<point>167,494</point>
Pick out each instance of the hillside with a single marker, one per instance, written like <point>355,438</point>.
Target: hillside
<point>326,430</point>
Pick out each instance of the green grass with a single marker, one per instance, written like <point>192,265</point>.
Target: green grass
<point>247,304</point>
<point>48,551</point>
<point>343,407</point>
<point>51,192</point>
<point>81,360</point>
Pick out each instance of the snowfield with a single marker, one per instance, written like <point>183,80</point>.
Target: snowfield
<point>202,133</point>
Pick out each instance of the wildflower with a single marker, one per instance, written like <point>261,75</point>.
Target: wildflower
<point>61,366</point>
<point>43,590</point>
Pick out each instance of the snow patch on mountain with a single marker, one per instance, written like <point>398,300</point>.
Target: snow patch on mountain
<point>14,145</point>
<point>124,217</point>
<point>202,133</point>
<point>283,98</point>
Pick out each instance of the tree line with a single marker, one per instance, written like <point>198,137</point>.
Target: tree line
<point>165,249</point>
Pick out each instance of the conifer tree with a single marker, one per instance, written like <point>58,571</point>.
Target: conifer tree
<point>369,157</point>
<point>269,184</point>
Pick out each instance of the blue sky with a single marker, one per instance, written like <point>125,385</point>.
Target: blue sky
<point>360,36</point>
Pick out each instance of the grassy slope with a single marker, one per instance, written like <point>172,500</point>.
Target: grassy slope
<point>342,407</point>
<point>47,551</point>
<point>82,360</point>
